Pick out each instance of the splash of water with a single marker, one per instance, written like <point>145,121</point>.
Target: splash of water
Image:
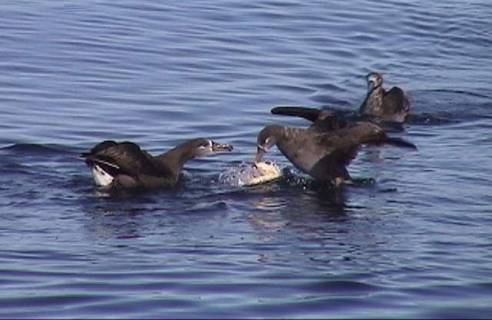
<point>247,173</point>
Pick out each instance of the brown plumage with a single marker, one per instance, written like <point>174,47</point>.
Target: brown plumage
<point>324,155</point>
<point>322,120</point>
<point>392,105</point>
<point>124,165</point>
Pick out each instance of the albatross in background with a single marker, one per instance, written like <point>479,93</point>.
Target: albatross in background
<point>392,105</point>
<point>387,108</point>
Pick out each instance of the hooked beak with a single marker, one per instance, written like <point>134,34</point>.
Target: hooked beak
<point>218,147</point>
<point>260,152</point>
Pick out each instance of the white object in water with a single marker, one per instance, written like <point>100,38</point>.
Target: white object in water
<point>101,177</point>
<point>265,172</point>
<point>249,174</point>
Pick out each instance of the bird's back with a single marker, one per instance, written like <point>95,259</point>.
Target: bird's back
<point>318,154</point>
<point>128,165</point>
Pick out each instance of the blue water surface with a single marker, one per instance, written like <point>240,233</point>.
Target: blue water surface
<point>416,243</point>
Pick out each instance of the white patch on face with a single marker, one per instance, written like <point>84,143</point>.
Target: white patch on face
<point>101,177</point>
<point>376,80</point>
<point>205,149</point>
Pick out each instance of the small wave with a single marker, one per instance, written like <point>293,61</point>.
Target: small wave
<point>33,148</point>
<point>432,119</point>
<point>442,106</point>
<point>202,207</point>
<point>462,92</point>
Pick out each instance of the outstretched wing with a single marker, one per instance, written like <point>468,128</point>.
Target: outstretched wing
<point>340,147</point>
<point>334,165</point>
<point>323,120</point>
<point>310,114</point>
<point>339,151</point>
<point>395,101</point>
<point>365,132</point>
<point>321,155</point>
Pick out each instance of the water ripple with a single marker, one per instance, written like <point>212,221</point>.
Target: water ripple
<point>412,242</point>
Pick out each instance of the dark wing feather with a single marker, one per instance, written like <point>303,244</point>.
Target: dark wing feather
<point>298,146</point>
<point>318,154</point>
<point>323,120</point>
<point>334,165</point>
<point>310,114</point>
<point>334,152</point>
<point>399,142</point>
<point>343,146</point>
<point>125,158</point>
<point>394,101</point>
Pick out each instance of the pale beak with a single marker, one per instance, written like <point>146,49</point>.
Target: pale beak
<point>260,152</point>
<point>218,147</point>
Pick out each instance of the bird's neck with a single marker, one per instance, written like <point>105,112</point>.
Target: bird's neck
<point>374,100</point>
<point>177,157</point>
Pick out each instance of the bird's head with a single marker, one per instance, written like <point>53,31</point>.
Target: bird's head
<point>204,147</point>
<point>266,139</point>
<point>374,80</point>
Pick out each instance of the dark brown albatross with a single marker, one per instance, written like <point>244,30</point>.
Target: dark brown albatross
<point>324,155</point>
<point>125,166</point>
<point>392,105</point>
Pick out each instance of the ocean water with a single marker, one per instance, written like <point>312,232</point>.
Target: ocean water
<point>415,243</point>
